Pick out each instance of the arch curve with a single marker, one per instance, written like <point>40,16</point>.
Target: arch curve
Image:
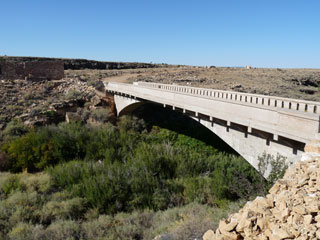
<point>125,105</point>
<point>250,146</point>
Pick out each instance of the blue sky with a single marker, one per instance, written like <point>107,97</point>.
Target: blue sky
<point>282,33</point>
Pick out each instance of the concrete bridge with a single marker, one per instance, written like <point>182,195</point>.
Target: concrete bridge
<point>251,124</point>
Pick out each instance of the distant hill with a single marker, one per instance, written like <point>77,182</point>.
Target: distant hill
<point>77,64</point>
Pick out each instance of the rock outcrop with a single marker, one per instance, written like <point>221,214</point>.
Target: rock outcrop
<point>76,64</point>
<point>291,210</point>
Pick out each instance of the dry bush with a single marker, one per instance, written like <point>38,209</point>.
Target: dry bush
<point>60,196</point>
<point>97,228</point>
<point>188,222</point>
<point>57,210</point>
<point>60,230</point>
<point>101,114</point>
<point>22,231</point>
<point>73,94</point>
<point>37,182</point>
<point>23,206</point>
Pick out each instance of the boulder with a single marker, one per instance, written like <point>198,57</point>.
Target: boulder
<point>209,235</point>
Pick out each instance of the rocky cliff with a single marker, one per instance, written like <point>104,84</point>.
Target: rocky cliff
<point>76,64</point>
<point>291,210</point>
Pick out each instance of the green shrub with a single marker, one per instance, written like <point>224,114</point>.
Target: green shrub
<point>60,196</point>
<point>102,187</point>
<point>73,94</point>
<point>234,178</point>
<point>132,123</point>
<point>46,146</point>
<point>126,168</point>
<point>96,229</point>
<point>32,151</point>
<point>277,167</point>
<point>91,214</point>
<point>27,200</point>
<point>9,183</point>
<point>84,112</point>
<point>188,222</point>
<point>61,230</point>
<point>131,226</point>
<point>101,114</point>
<point>103,143</point>
<point>27,214</point>
<point>22,231</point>
<point>4,161</point>
<point>199,189</point>
<point>40,182</point>
<point>14,129</point>
<point>23,207</point>
<point>59,210</point>
<point>5,225</point>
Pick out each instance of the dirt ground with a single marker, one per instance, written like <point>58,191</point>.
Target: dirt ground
<point>291,83</point>
<point>33,101</point>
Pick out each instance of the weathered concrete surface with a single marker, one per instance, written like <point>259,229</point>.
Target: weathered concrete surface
<point>126,104</point>
<point>251,146</point>
<point>251,124</point>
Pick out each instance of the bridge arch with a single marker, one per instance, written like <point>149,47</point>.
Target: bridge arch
<point>250,146</point>
<point>125,105</point>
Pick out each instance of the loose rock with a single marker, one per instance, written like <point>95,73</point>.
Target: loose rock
<point>290,211</point>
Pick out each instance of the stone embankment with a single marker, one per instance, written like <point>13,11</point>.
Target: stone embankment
<point>291,210</point>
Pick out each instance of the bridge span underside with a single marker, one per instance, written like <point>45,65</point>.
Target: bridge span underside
<point>250,129</point>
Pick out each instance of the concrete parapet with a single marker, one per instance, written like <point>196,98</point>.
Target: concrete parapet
<point>262,100</point>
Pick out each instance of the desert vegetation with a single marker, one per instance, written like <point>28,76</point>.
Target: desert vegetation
<point>133,180</point>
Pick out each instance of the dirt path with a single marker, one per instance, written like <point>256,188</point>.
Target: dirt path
<point>126,78</point>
